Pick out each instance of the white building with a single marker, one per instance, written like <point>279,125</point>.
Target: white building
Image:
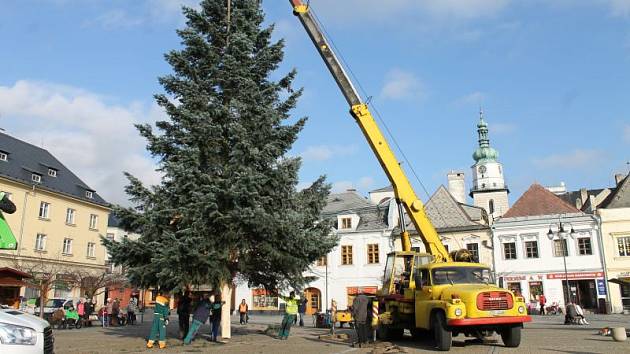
<point>527,261</point>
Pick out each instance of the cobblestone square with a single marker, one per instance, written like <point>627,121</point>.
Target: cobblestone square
<point>545,334</point>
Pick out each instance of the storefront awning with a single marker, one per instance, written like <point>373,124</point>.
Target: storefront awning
<point>12,283</point>
<point>620,281</point>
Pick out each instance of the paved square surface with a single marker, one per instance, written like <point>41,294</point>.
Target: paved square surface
<point>546,334</point>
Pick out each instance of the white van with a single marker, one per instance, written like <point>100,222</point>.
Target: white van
<point>22,333</point>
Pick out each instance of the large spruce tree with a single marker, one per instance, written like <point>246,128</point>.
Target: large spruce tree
<point>227,205</point>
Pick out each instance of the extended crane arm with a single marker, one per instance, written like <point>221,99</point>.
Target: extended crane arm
<point>405,194</point>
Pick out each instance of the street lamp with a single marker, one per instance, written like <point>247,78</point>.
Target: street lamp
<point>563,236</point>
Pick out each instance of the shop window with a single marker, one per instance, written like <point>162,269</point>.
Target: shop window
<point>263,300</point>
<point>515,287</point>
<point>625,296</point>
<point>535,290</point>
<point>509,250</point>
<point>531,249</point>
<point>584,246</point>
<point>560,248</point>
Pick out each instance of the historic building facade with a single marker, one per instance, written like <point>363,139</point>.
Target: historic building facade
<point>529,262</point>
<point>59,218</point>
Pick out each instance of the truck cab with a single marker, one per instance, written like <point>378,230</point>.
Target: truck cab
<point>446,299</point>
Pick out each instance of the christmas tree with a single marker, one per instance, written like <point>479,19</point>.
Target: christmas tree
<point>227,205</point>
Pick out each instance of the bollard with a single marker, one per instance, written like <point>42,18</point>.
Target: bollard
<point>374,318</point>
<point>619,334</point>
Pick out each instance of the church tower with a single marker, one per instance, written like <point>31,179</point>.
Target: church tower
<point>489,190</point>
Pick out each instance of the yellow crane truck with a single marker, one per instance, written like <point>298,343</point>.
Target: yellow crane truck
<point>427,293</point>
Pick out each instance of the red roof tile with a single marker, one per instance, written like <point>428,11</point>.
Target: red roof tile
<point>537,200</point>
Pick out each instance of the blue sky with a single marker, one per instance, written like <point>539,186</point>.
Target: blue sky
<point>552,77</point>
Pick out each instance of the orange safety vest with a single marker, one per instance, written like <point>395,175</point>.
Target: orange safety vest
<point>242,308</point>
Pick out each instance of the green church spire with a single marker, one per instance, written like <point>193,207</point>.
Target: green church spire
<point>484,152</point>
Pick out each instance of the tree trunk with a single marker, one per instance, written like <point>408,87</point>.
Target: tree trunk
<point>226,296</point>
<point>43,297</point>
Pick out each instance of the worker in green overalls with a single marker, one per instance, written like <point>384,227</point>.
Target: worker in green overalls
<point>160,320</point>
<point>7,239</point>
<point>290,315</point>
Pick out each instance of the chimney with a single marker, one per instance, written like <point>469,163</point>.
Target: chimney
<point>618,178</point>
<point>351,190</point>
<point>583,195</point>
<point>457,185</point>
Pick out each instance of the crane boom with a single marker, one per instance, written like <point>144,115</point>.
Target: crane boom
<point>405,195</point>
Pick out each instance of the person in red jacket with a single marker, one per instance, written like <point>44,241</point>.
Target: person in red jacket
<point>542,300</point>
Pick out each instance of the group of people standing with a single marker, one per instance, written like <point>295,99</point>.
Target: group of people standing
<point>111,314</point>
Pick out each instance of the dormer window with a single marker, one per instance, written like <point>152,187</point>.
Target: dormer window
<point>4,156</point>
<point>52,172</point>
<point>89,194</point>
<point>346,223</point>
<point>36,178</point>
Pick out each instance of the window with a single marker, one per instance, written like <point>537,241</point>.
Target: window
<point>372,253</point>
<point>491,206</point>
<point>623,244</point>
<point>52,172</point>
<point>346,223</point>
<point>560,248</point>
<point>346,255</point>
<point>67,246</point>
<point>44,208</point>
<point>584,246</point>
<point>70,216</point>
<point>322,261</point>
<point>93,221</point>
<point>531,249</point>
<point>40,242</point>
<point>509,250</point>
<point>473,248</point>
<point>3,156</point>
<point>90,249</point>
<point>36,178</point>
<point>89,194</point>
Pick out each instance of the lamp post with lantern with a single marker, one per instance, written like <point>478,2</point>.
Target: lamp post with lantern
<point>563,236</point>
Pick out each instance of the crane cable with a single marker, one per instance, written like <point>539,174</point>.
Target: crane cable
<point>376,111</point>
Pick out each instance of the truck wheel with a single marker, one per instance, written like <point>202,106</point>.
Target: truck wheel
<point>443,337</point>
<point>511,336</point>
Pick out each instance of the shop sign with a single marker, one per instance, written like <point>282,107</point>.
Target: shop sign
<point>515,278</point>
<point>576,275</point>
<point>601,287</point>
<point>355,290</point>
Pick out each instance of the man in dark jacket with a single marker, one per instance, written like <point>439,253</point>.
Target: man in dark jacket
<point>217,305</point>
<point>360,314</point>
<point>183,311</point>
<point>200,316</point>
<point>302,309</point>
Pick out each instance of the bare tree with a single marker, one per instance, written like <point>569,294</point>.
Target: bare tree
<point>45,272</point>
<point>94,283</point>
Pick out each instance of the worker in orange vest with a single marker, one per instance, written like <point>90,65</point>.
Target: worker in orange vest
<point>242,310</point>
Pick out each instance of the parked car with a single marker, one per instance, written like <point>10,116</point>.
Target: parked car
<point>23,333</point>
<point>51,306</point>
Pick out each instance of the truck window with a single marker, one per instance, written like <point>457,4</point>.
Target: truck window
<point>461,275</point>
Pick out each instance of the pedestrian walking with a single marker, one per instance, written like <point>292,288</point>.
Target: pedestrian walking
<point>216,308</point>
<point>183,312</point>
<point>302,310</point>
<point>89,309</point>
<point>160,321</point>
<point>132,309</point>
<point>242,310</point>
<point>200,316</point>
<point>542,300</point>
<point>107,312</point>
<point>290,314</point>
<point>360,313</point>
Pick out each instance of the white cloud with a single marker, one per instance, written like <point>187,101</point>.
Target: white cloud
<point>151,11</point>
<point>400,84</point>
<point>474,98</point>
<point>395,10</point>
<point>364,183</point>
<point>579,158</point>
<point>327,152</point>
<point>94,138</point>
<point>114,19</point>
<point>619,7</point>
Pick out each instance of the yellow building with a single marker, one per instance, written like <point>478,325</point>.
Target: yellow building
<point>614,213</point>
<point>59,218</point>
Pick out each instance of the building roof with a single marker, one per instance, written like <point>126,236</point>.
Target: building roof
<point>447,215</point>
<point>620,196</point>
<point>349,200</point>
<point>25,159</point>
<point>389,188</point>
<point>113,221</point>
<point>537,200</point>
